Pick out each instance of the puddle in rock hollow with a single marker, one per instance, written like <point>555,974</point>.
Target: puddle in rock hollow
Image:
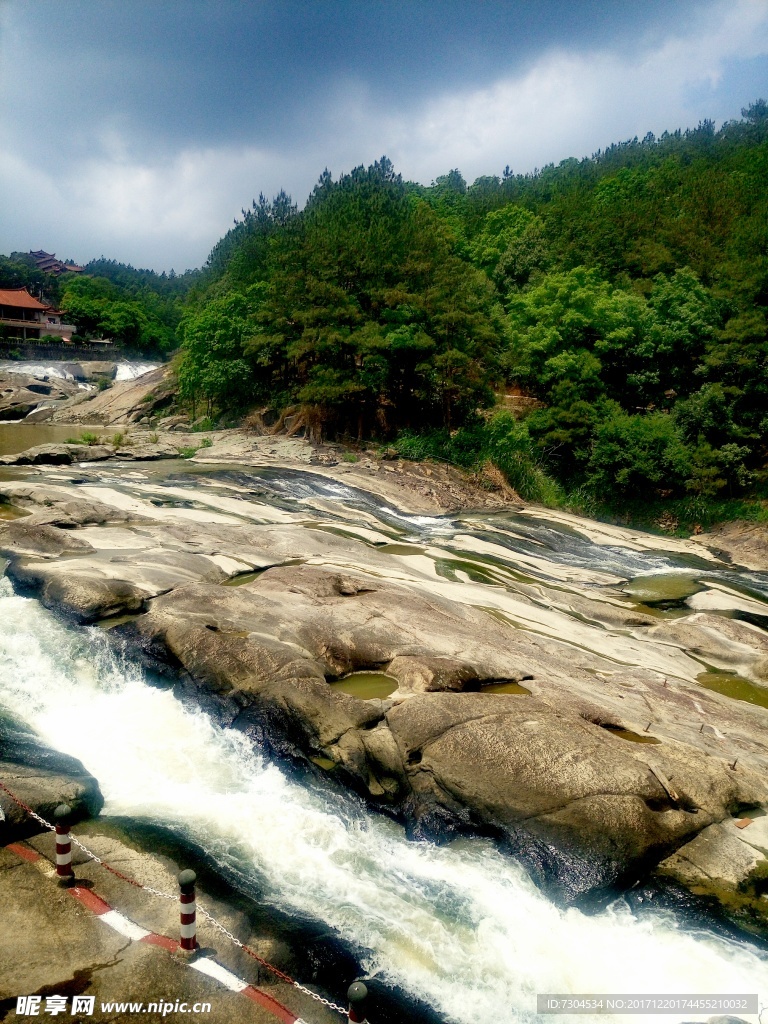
<point>241,578</point>
<point>662,588</point>
<point>448,568</point>
<point>324,762</point>
<point>735,687</point>
<point>401,549</point>
<point>506,688</point>
<point>11,512</point>
<point>633,737</point>
<point>366,685</point>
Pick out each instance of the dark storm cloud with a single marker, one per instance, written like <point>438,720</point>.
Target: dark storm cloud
<point>213,72</point>
<point>139,129</point>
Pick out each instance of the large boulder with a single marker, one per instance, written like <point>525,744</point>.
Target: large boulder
<point>57,455</point>
<point>586,810</point>
<point>42,779</point>
<point>743,543</point>
<point>141,448</point>
<point>127,401</point>
<point>583,806</point>
<point>95,370</point>
<point>20,393</point>
<point>607,760</point>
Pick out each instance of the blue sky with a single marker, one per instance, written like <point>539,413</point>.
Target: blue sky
<point>138,129</point>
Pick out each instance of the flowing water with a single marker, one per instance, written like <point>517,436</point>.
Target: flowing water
<point>127,369</point>
<point>460,925</point>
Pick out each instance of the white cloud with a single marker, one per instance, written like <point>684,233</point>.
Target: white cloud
<point>166,211</point>
<point>163,214</point>
<point>568,105</point>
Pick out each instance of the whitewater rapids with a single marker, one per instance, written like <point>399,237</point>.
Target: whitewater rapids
<point>459,926</point>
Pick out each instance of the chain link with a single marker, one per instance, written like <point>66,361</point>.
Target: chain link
<point>265,963</point>
<point>29,810</point>
<point>86,851</point>
<point>321,999</point>
<point>201,910</point>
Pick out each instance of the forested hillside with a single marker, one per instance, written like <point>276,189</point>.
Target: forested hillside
<point>619,301</point>
<point>626,293</point>
<point>139,309</point>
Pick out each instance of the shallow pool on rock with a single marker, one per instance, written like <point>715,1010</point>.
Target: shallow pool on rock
<point>11,512</point>
<point>366,685</point>
<point>241,579</point>
<point>632,737</point>
<point>662,588</point>
<point>735,687</point>
<point>506,688</point>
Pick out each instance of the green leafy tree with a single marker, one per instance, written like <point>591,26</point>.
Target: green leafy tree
<point>212,370</point>
<point>637,455</point>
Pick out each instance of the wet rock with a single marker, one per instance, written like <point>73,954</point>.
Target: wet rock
<point>424,675</point>
<point>127,401</point>
<point>171,422</point>
<point>21,393</point>
<point>554,774</point>
<point>584,810</point>
<point>43,790</point>
<point>57,455</point>
<point>729,863</point>
<point>41,414</point>
<point>98,370</point>
<point>84,599</point>
<point>138,449</point>
<point>719,852</point>
<point>61,506</point>
<point>41,540</point>
<point>743,543</point>
<point>731,603</point>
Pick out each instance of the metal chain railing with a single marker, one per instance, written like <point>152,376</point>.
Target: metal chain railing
<point>201,910</point>
<point>270,967</point>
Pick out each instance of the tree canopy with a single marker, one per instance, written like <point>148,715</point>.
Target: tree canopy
<point>624,296</point>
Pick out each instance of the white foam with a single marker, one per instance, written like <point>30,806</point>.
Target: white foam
<point>128,370</point>
<point>460,925</point>
<point>38,370</point>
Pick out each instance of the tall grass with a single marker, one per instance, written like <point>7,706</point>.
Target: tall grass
<point>502,441</point>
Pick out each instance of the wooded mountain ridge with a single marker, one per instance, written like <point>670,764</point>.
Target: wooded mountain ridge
<point>625,292</point>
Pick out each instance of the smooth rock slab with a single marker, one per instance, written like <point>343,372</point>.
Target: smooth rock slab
<point>43,791</point>
<point>57,455</point>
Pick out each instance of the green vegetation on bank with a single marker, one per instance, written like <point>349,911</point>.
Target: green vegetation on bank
<point>621,299</point>
<point>596,330</point>
<point>138,309</point>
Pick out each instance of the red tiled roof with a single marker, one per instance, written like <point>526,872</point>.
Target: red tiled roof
<point>19,297</point>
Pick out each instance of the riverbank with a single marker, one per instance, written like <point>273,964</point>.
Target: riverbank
<point>141,397</point>
<point>519,655</point>
<point>55,941</point>
<point>125,555</point>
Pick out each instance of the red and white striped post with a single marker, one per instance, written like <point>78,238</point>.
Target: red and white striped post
<point>62,817</point>
<point>357,993</point>
<point>188,932</point>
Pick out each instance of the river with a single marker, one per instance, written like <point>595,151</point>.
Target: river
<point>460,926</point>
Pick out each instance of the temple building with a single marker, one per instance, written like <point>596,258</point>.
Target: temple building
<point>24,318</point>
<point>47,262</point>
